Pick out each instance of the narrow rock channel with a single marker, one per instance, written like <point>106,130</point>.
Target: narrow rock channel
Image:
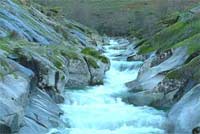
<point>95,111</point>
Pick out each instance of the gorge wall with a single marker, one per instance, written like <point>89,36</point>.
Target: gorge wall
<point>169,77</point>
<point>39,57</point>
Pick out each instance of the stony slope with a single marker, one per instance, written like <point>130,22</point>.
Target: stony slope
<point>39,57</point>
<point>170,72</point>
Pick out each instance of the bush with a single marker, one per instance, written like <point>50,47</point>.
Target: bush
<point>92,52</point>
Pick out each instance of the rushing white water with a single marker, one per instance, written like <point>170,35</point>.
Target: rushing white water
<point>95,111</point>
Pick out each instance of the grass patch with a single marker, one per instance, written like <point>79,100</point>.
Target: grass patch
<point>193,43</point>
<point>172,35</point>
<point>54,53</point>
<point>187,71</point>
<point>92,52</point>
<point>112,15</point>
<point>6,68</point>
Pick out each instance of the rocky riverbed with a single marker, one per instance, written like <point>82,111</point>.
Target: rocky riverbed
<point>58,76</point>
<point>97,110</point>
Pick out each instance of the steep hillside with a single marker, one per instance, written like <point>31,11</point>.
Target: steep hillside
<point>39,57</point>
<point>140,18</point>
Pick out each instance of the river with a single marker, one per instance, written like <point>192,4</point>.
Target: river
<point>94,110</point>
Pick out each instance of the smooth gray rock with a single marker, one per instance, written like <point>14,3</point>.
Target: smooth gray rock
<point>32,127</point>
<point>195,10</point>
<point>17,19</point>
<point>142,98</point>
<point>184,116</point>
<point>149,77</point>
<point>79,74</point>
<point>97,74</point>
<point>152,88</point>
<point>41,114</point>
<point>47,74</point>
<point>14,91</point>
<point>136,57</point>
<point>57,97</point>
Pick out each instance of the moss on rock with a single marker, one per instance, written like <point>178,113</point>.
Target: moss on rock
<point>91,62</point>
<point>193,43</point>
<point>54,53</point>
<point>174,34</point>
<point>92,52</point>
<point>188,71</point>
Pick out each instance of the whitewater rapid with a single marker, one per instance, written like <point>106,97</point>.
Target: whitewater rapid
<point>94,110</point>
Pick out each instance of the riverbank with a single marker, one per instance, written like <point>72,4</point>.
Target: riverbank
<point>170,73</point>
<point>39,58</point>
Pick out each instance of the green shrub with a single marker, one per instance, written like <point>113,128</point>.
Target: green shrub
<point>92,52</point>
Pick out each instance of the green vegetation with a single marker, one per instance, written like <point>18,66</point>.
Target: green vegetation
<point>23,48</point>
<point>188,71</point>
<point>54,53</point>
<point>121,17</point>
<point>91,61</point>
<point>193,43</point>
<point>50,11</point>
<point>4,65</point>
<point>6,69</point>
<point>92,52</point>
<point>178,34</point>
<point>4,45</point>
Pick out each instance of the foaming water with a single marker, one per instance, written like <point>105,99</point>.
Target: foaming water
<point>94,111</point>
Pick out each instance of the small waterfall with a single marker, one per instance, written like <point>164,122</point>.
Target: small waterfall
<point>95,111</point>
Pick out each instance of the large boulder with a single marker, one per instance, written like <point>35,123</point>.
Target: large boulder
<point>142,98</point>
<point>79,74</point>
<point>49,74</point>
<point>152,73</point>
<point>136,57</point>
<point>97,70</point>
<point>41,114</point>
<point>178,82</point>
<point>184,116</point>
<point>167,93</point>
<point>97,65</point>
<point>25,108</point>
<point>152,87</point>
<point>14,90</point>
